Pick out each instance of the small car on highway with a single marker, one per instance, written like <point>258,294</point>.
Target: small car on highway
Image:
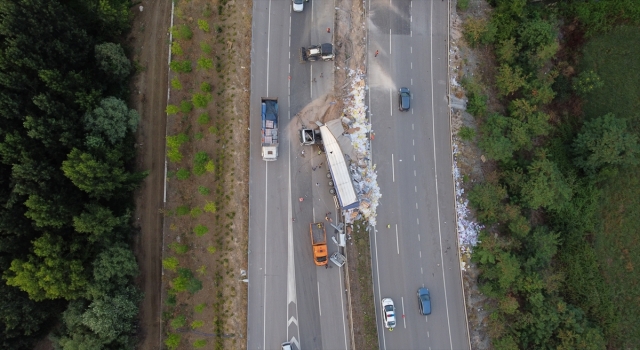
<point>298,5</point>
<point>424,301</point>
<point>388,313</point>
<point>404,99</point>
<point>286,346</point>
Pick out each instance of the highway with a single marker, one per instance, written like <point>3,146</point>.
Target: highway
<point>412,151</point>
<point>290,299</point>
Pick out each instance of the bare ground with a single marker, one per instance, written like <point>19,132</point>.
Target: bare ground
<point>148,41</point>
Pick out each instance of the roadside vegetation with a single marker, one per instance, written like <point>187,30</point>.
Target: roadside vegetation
<point>66,153</point>
<point>365,330</point>
<point>557,116</point>
<point>205,217</point>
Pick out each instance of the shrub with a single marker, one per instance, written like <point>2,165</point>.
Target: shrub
<point>170,263</point>
<point>205,87</point>
<point>173,146</point>
<point>213,130</point>
<point>210,207</point>
<point>200,230</point>
<point>203,119</point>
<point>210,167</point>
<point>173,341</point>
<point>463,5</point>
<point>195,212</point>
<point>171,300</point>
<point>211,249</point>
<point>587,82</point>
<point>176,49</point>
<point>200,343</point>
<point>183,174</point>
<point>200,307</point>
<point>206,48</point>
<point>175,84</point>
<point>182,32</point>
<point>178,322</point>
<point>197,324</point>
<point>172,109</point>
<point>198,136</point>
<point>181,66</point>
<point>205,63</point>
<point>200,162</point>
<point>477,105</point>
<point>203,25</point>
<point>467,133</point>
<point>203,190</point>
<point>179,248</point>
<point>186,107</point>
<point>201,100</point>
<point>182,210</point>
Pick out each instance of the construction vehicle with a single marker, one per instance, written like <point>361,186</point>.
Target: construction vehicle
<point>317,52</point>
<point>269,129</point>
<point>319,243</point>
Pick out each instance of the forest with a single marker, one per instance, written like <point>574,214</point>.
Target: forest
<point>557,115</point>
<point>66,179</point>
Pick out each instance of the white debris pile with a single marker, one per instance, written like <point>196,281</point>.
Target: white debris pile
<point>467,229</point>
<point>363,172</point>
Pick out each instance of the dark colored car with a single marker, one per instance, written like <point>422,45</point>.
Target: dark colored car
<point>424,300</point>
<point>404,99</point>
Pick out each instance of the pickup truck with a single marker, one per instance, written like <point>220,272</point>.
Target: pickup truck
<point>319,243</point>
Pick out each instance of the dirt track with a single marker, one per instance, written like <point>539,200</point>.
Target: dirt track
<point>150,47</point>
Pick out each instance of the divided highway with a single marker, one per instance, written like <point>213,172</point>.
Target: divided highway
<point>290,298</point>
<point>414,244</point>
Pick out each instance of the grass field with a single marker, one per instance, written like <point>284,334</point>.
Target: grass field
<point>614,57</point>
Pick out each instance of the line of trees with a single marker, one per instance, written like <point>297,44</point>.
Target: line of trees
<point>537,264</point>
<point>66,151</point>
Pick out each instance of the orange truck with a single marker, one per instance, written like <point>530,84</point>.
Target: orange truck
<point>319,243</point>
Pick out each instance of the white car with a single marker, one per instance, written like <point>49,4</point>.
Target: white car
<point>388,313</point>
<point>298,5</point>
<point>286,346</point>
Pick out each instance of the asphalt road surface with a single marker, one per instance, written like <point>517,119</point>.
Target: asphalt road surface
<point>412,151</point>
<point>290,299</point>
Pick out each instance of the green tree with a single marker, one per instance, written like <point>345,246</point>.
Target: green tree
<point>99,222</point>
<point>47,213</point>
<point>494,141</point>
<point>109,317</point>
<point>109,123</point>
<point>112,61</point>
<point>50,272</point>
<point>101,179</point>
<point>545,186</point>
<point>113,269</point>
<point>605,142</point>
<point>486,198</point>
<point>509,79</point>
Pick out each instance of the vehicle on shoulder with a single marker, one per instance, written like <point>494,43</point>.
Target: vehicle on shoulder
<point>388,313</point>
<point>424,301</point>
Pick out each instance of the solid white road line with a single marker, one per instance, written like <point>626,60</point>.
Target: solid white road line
<point>403,318</point>
<point>397,245</point>
<point>393,169</point>
<point>433,131</point>
<point>319,305</point>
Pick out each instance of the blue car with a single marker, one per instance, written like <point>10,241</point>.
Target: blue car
<point>424,300</point>
<point>404,99</point>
